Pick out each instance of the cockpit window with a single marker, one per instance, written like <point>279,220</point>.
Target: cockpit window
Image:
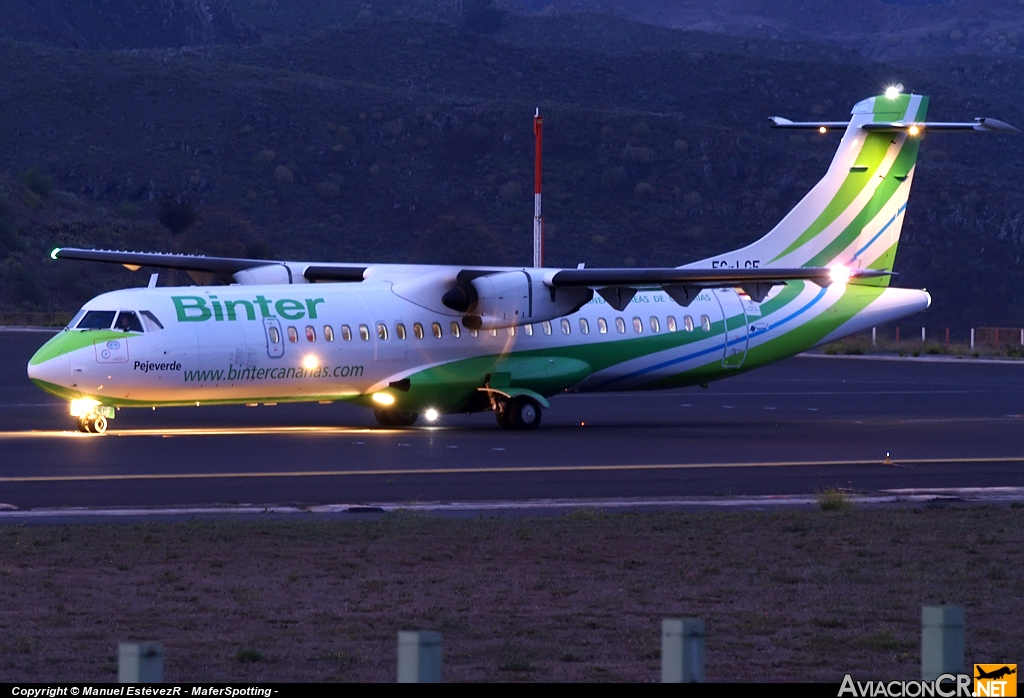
<point>127,321</point>
<point>75,319</point>
<point>152,324</point>
<point>97,320</point>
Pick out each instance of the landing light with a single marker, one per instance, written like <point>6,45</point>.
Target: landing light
<point>310,362</point>
<point>83,406</point>
<point>839,274</point>
<point>913,130</point>
<point>431,415</point>
<point>822,129</point>
<point>383,399</point>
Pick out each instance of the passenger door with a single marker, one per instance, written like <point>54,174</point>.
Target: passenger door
<point>735,336</point>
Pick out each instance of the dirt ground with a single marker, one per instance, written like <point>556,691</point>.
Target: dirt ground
<point>793,596</point>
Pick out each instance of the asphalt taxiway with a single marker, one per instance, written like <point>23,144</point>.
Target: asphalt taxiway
<point>885,429</point>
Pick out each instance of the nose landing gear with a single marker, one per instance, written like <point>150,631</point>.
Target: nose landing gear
<point>92,416</point>
<point>92,424</point>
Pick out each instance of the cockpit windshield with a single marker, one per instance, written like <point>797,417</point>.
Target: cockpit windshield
<point>127,321</point>
<point>152,324</point>
<point>96,320</point>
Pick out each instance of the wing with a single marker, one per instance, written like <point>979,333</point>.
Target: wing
<point>482,295</point>
<point>209,270</point>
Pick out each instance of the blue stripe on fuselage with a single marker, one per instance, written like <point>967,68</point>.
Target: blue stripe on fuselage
<point>718,347</point>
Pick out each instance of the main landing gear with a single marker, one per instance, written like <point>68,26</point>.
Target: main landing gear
<point>395,418</point>
<point>92,423</point>
<point>521,412</point>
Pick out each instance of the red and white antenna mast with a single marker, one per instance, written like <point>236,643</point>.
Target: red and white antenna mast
<point>538,221</point>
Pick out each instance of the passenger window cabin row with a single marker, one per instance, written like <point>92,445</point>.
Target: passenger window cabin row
<point>400,332</point>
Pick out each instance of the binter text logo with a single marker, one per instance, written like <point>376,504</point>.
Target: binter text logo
<point>995,680</point>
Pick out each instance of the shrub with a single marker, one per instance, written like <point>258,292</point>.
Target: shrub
<point>393,129</point>
<point>264,157</point>
<point>511,191</point>
<point>329,190</point>
<point>637,154</point>
<point>643,190</point>
<point>247,656</point>
<point>283,175</point>
<point>833,500</point>
<point>35,181</point>
<point>175,213</point>
<point>128,209</point>
<point>32,200</point>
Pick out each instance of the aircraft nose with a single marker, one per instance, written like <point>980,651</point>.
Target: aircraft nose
<point>55,370</point>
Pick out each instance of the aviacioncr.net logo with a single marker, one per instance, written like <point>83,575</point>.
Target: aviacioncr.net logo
<point>945,686</point>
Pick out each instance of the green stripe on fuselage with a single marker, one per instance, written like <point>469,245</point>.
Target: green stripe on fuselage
<point>73,340</point>
<point>802,337</point>
<point>452,384</point>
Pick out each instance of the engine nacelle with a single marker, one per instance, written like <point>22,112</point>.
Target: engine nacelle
<point>512,298</point>
<point>266,275</point>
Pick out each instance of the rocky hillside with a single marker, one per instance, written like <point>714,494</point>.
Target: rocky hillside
<point>400,139</point>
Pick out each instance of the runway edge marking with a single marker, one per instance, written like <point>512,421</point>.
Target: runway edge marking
<point>502,470</point>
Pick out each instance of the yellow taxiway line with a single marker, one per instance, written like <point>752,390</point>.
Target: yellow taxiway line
<point>505,469</point>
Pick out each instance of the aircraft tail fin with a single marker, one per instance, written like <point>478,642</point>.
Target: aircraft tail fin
<point>854,215</point>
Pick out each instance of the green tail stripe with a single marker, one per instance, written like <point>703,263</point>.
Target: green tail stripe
<point>886,190</point>
<point>871,154</point>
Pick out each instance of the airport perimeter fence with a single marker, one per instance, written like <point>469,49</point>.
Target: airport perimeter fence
<point>1008,341</point>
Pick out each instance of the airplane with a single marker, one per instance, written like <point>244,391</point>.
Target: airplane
<point>412,340</point>
<point>995,673</point>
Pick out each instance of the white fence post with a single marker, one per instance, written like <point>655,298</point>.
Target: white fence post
<point>140,662</point>
<point>419,656</point>
<point>942,641</point>
<point>682,650</point>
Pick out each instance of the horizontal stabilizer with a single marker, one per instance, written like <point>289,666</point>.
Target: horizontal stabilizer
<point>983,124</point>
<point>779,122</point>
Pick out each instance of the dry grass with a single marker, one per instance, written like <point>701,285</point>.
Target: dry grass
<point>786,596</point>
